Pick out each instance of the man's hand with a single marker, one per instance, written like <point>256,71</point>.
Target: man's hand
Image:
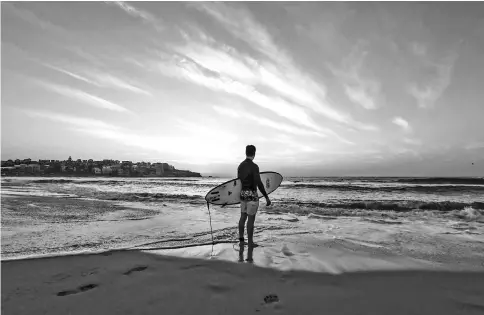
<point>268,201</point>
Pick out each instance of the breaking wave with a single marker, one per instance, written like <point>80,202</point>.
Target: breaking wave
<point>391,205</point>
<point>444,180</point>
<point>413,188</point>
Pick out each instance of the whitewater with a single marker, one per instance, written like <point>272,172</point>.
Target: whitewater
<point>66,215</point>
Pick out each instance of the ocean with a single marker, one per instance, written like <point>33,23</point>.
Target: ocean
<point>66,214</point>
<point>377,193</point>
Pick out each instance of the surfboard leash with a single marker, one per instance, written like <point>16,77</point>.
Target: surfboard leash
<point>211,231</point>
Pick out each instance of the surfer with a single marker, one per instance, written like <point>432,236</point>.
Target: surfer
<point>248,172</point>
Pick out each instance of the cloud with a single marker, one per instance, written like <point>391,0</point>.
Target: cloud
<point>474,146</point>
<point>109,80</point>
<point>324,133</point>
<point>184,144</point>
<point>72,120</point>
<point>399,121</point>
<point>137,13</point>
<point>70,73</point>
<point>412,141</point>
<point>33,19</point>
<point>93,60</point>
<point>187,69</point>
<point>429,92</point>
<point>242,25</point>
<point>281,88</point>
<point>419,49</point>
<point>289,148</point>
<point>359,95</point>
<point>266,122</point>
<point>100,79</point>
<point>82,96</point>
<point>360,90</point>
<point>278,72</point>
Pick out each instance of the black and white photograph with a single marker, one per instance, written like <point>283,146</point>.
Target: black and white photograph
<point>242,157</point>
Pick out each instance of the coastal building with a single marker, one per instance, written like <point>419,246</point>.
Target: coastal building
<point>115,168</point>
<point>159,171</point>
<point>33,168</point>
<point>123,172</point>
<point>79,167</point>
<point>142,170</point>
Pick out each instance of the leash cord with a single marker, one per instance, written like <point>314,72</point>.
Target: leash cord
<point>211,231</point>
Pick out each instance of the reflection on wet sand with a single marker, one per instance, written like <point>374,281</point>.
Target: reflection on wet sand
<point>250,251</point>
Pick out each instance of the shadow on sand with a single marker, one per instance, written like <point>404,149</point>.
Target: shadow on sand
<point>135,282</point>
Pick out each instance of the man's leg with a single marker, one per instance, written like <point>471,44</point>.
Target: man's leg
<point>243,218</point>
<point>252,208</point>
<point>250,229</point>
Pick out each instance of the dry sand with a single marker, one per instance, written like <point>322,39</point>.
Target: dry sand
<point>188,281</point>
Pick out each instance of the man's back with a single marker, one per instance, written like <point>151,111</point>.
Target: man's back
<point>248,173</point>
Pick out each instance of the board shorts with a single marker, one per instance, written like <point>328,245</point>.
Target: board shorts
<point>249,202</point>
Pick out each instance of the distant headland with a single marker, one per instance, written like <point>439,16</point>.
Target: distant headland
<point>70,167</point>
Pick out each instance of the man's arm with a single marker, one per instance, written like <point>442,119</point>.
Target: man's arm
<point>258,180</point>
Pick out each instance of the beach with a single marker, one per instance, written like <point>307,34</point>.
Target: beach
<point>72,247</point>
<point>136,282</point>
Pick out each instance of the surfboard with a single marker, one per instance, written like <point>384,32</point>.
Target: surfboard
<point>228,193</point>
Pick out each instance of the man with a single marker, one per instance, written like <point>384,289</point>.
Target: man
<point>248,172</point>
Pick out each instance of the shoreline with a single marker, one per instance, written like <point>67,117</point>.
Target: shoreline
<point>52,225</point>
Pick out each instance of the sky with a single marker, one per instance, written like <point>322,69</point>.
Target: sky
<point>320,88</point>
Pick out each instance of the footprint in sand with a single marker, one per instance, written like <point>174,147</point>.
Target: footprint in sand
<point>218,288</point>
<point>286,251</point>
<point>135,269</point>
<point>80,289</point>
<point>271,298</point>
<point>191,266</point>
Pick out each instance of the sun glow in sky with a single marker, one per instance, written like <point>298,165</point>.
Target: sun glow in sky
<point>320,89</point>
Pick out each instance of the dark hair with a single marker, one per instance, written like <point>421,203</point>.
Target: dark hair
<point>250,150</point>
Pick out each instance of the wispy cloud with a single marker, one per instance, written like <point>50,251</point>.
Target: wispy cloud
<point>429,92</point>
<point>419,49</point>
<point>184,144</point>
<point>324,133</point>
<point>109,80</point>
<point>100,79</point>
<point>72,120</point>
<point>70,73</point>
<point>278,71</point>
<point>82,96</point>
<point>93,60</point>
<point>138,13</point>
<point>242,25</point>
<point>266,122</point>
<point>33,19</point>
<point>187,69</point>
<point>275,83</point>
<point>360,90</point>
<point>359,95</point>
<point>412,141</point>
<point>399,121</point>
<point>475,145</point>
